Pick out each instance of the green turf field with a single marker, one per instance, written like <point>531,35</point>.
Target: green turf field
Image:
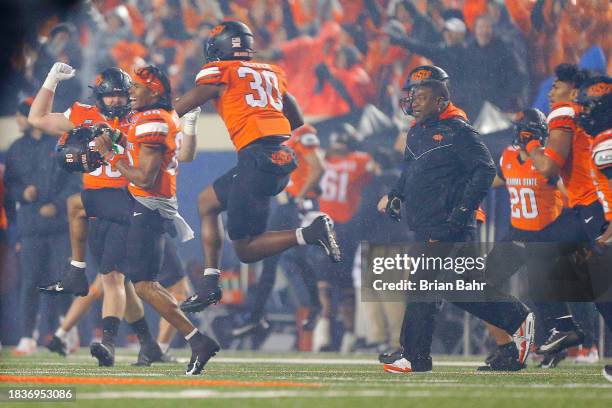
<point>303,380</point>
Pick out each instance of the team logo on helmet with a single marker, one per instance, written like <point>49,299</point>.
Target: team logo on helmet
<point>420,75</point>
<point>599,89</point>
<point>217,30</point>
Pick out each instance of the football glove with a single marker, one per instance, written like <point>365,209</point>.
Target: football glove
<point>394,206</point>
<point>459,218</point>
<point>58,72</point>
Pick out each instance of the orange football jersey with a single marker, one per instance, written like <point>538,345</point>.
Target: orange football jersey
<point>252,103</point>
<point>156,127</point>
<point>103,177</point>
<point>344,179</point>
<point>303,145</point>
<point>534,202</point>
<point>576,172</point>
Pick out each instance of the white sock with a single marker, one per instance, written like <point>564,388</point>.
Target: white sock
<point>190,335</point>
<point>300,236</point>
<point>78,264</point>
<point>61,333</point>
<point>211,271</point>
<point>164,347</point>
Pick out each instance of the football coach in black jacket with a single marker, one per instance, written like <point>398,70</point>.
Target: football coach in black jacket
<point>446,173</point>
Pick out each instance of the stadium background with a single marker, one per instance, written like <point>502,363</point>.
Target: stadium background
<point>171,33</point>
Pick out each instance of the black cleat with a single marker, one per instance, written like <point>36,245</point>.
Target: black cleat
<point>391,357</point>
<point>56,345</point>
<point>552,360</point>
<point>251,327</point>
<point>505,358</point>
<point>148,354</point>
<point>607,372</point>
<point>105,353</point>
<point>561,340</point>
<point>321,232</point>
<point>208,293</point>
<point>202,351</point>
<point>73,282</point>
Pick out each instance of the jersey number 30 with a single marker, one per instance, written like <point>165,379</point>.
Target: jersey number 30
<point>264,97</point>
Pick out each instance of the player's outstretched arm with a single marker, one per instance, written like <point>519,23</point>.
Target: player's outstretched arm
<point>292,111</point>
<point>40,115</point>
<point>196,97</point>
<point>549,160</point>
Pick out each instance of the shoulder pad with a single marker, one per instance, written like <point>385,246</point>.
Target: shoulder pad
<point>602,154</point>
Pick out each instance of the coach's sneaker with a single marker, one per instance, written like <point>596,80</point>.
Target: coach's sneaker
<point>587,355</point>
<point>390,357</point>
<point>251,327</point>
<point>506,358</point>
<point>321,232</point>
<point>202,349</point>
<point>56,345</point>
<point>73,282</point>
<point>347,344</point>
<point>309,323</point>
<point>208,293</point>
<point>168,358</point>
<point>561,340</point>
<point>553,359</point>
<point>105,353</point>
<point>25,347</point>
<point>148,354</point>
<point>607,372</point>
<point>523,338</point>
<point>403,365</point>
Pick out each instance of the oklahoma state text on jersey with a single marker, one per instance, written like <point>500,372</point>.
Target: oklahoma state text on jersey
<point>303,145</point>
<point>576,172</point>
<point>344,179</point>
<point>252,103</point>
<point>534,202</point>
<point>156,127</point>
<point>103,177</point>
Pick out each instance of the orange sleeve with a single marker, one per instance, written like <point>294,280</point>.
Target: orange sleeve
<point>213,73</point>
<point>562,117</point>
<point>152,130</point>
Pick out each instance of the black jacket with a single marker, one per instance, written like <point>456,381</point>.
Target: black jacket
<point>446,166</point>
<point>32,162</point>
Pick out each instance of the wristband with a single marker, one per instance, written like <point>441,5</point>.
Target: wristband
<point>532,145</point>
<point>50,83</point>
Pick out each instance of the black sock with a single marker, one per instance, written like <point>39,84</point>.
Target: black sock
<point>141,329</point>
<point>210,282</point>
<point>110,327</point>
<point>195,339</point>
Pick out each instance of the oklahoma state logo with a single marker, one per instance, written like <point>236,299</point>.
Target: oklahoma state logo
<point>421,75</point>
<point>281,157</point>
<point>217,30</point>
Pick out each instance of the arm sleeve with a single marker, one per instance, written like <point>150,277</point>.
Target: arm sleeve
<point>477,161</point>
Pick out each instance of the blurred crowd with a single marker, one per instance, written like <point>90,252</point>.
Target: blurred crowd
<point>339,55</point>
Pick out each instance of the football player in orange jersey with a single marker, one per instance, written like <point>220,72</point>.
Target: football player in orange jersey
<point>347,172</point>
<point>595,98</point>
<point>535,206</point>
<point>105,199</point>
<point>259,114</point>
<point>150,165</point>
<point>299,198</point>
<point>567,153</point>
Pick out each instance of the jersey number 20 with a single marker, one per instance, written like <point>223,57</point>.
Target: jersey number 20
<point>265,96</point>
<point>523,203</point>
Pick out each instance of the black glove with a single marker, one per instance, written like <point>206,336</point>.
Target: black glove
<point>459,218</point>
<point>394,206</point>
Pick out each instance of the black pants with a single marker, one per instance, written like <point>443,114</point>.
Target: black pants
<point>296,259</point>
<point>42,259</point>
<point>419,318</point>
